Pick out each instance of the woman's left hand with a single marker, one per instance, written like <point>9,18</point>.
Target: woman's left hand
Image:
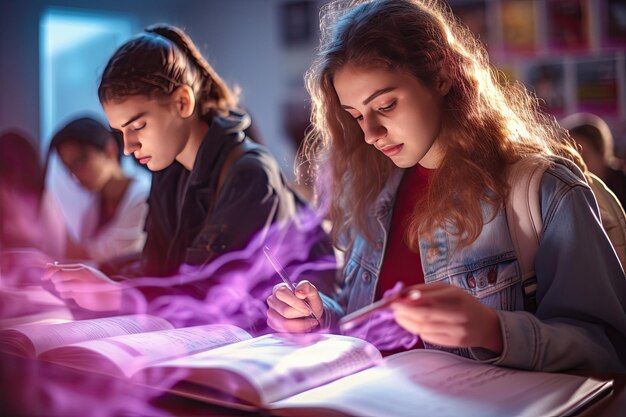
<point>89,287</point>
<point>448,316</point>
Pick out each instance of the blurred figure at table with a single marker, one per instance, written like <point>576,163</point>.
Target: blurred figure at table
<point>114,224</point>
<point>594,136</point>
<point>29,218</point>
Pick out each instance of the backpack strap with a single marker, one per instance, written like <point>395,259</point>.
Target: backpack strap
<point>611,214</point>
<point>523,215</point>
<point>234,154</point>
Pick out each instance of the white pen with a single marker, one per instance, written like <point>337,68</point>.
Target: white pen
<point>283,275</point>
<point>65,267</point>
<point>351,320</point>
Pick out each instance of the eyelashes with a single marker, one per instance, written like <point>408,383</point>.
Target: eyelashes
<point>387,108</point>
<point>384,109</point>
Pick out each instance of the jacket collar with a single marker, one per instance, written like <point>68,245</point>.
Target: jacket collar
<point>224,134</point>
<point>385,199</point>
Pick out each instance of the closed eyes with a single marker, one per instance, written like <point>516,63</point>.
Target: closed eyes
<point>137,128</point>
<point>384,109</point>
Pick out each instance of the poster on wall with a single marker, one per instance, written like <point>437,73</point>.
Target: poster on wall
<point>596,86</point>
<point>473,14</point>
<point>547,81</point>
<point>567,24</point>
<point>518,25</point>
<point>297,22</point>
<point>613,19</point>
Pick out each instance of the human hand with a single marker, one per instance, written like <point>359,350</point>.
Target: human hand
<point>449,316</point>
<point>89,287</point>
<point>287,311</point>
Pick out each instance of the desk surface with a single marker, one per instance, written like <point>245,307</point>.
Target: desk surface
<point>30,388</point>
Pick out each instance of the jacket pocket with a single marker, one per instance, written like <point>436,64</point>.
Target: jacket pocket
<point>495,283</point>
<point>358,286</point>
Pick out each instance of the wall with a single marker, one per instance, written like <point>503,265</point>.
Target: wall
<point>242,41</point>
<point>240,38</point>
<point>571,53</point>
<point>19,41</point>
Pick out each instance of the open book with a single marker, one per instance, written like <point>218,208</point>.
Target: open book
<point>30,304</point>
<point>118,346</point>
<point>299,375</point>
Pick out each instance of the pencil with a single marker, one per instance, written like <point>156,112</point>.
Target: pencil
<point>283,275</point>
<point>351,320</point>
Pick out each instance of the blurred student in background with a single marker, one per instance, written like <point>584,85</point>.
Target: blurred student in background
<point>594,136</point>
<point>597,162</point>
<point>114,225</point>
<point>213,190</point>
<point>29,218</point>
<point>32,229</point>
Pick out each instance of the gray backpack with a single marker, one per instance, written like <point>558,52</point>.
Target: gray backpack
<point>523,214</point>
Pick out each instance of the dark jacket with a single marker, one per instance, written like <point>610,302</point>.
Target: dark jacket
<point>189,223</point>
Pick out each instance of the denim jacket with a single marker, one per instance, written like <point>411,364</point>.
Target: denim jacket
<point>580,322</point>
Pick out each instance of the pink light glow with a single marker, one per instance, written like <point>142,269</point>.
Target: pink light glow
<point>231,290</point>
<point>382,331</point>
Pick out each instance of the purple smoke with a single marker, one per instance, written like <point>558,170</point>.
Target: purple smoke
<point>235,287</point>
<point>382,331</point>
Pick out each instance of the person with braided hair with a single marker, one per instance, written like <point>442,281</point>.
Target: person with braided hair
<point>213,190</point>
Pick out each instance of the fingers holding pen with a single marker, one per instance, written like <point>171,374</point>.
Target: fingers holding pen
<point>437,295</point>
<point>284,302</point>
<point>449,316</point>
<point>299,325</point>
<point>307,291</point>
<point>288,310</point>
<point>434,303</point>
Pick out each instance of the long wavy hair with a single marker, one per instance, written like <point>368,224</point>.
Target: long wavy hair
<point>487,122</point>
<point>159,60</point>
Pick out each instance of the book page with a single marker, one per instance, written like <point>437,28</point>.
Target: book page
<point>270,367</point>
<point>439,384</point>
<point>128,353</point>
<point>28,304</point>
<point>31,295</point>
<point>43,317</point>
<point>33,339</point>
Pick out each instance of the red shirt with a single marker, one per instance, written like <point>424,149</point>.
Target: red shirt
<point>401,263</point>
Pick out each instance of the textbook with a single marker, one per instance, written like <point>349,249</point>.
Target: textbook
<point>303,375</point>
<point>118,346</point>
<point>30,304</point>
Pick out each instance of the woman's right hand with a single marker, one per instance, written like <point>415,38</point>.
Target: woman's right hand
<point>287,311</point>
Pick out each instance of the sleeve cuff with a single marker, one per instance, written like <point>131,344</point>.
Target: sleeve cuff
<point>519,342</point>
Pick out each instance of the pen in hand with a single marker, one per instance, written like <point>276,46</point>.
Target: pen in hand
<point>283,275</point>
<point>352,320</point>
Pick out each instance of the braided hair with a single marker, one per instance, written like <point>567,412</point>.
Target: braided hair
<point>159,60</point>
